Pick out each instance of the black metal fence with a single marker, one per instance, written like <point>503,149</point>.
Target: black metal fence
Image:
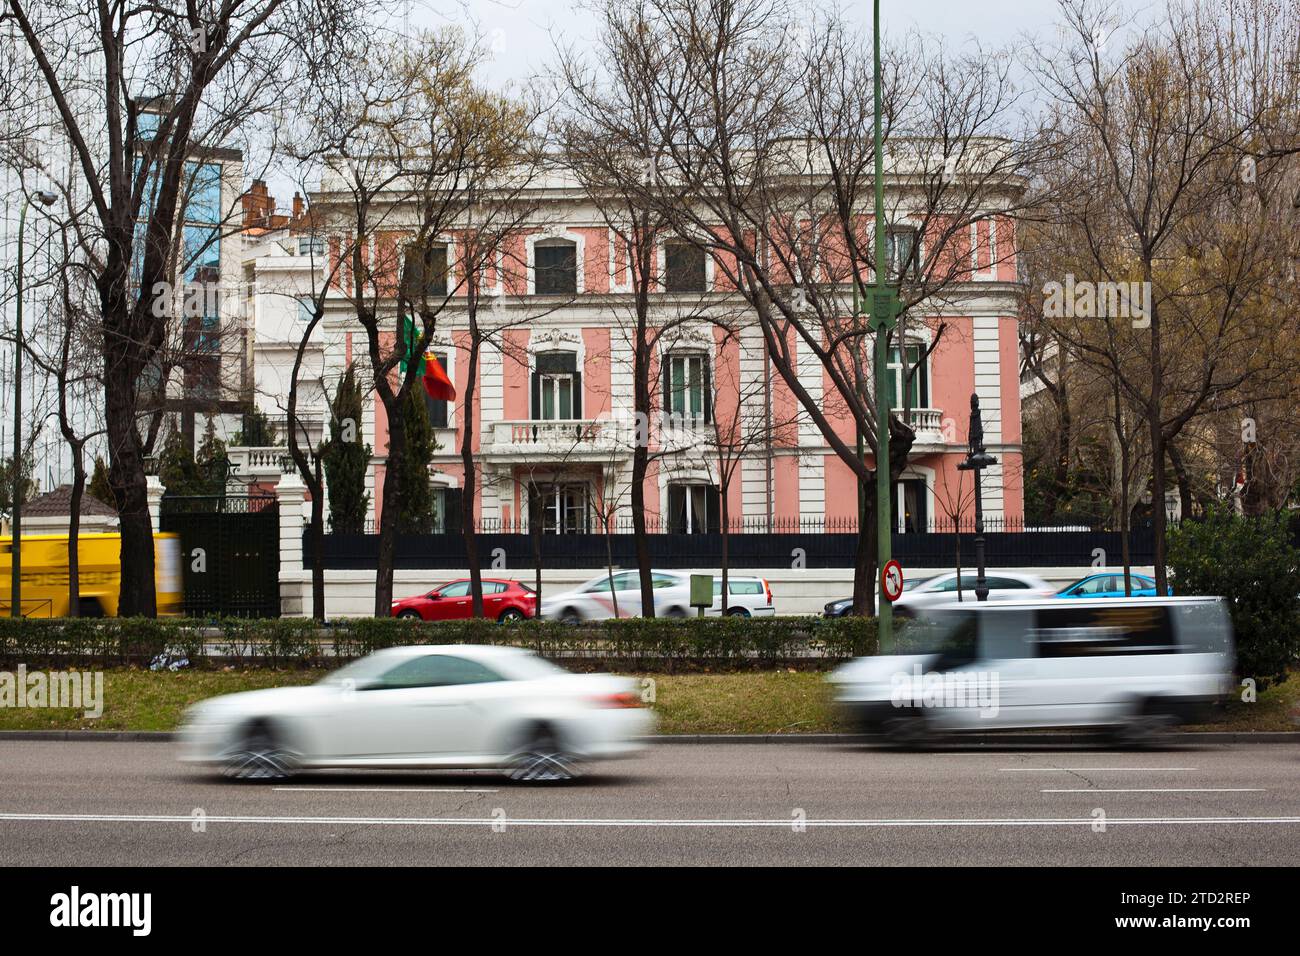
<point>230,552</point>
<point>785,548</point>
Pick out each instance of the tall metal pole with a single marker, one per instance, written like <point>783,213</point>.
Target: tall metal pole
<point>16,525</point>
<point>981,584</point>
<point>977,459</point>
<point>883,517</point>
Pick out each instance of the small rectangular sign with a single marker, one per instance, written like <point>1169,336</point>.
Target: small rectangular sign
<point>701,590</point>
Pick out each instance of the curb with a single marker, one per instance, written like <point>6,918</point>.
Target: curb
<point>984,740</point>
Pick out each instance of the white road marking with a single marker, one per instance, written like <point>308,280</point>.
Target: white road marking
<point>784,823</point>
<point>1086,769</point>
<point>1165,790</point>
<point>388,789</point>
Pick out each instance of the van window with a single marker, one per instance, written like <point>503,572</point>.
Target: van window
<point>1103,630</point>
<point>951,634</point>
<point>1203,627</point>
<point>1003,631</point>
<point>742,586</point>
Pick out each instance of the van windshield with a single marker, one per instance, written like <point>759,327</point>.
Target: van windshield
<point>951,634</point>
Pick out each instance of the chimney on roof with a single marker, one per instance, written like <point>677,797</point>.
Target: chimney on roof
<point>297,205</point>
<point>259,205</point>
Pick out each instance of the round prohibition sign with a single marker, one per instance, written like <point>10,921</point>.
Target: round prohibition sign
<point>891,580</point>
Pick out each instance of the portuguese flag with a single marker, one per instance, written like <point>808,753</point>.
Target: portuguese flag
<point>432,374</point>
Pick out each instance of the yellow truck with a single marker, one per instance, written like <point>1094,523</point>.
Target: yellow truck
<point>45,574</point>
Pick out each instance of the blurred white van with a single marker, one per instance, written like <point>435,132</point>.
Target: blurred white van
<point>1134,665</point>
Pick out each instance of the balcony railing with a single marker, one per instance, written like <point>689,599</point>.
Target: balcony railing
<point>560,436</point>
<point>928,425</point>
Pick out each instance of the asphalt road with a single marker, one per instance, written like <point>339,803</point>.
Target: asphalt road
<point>68,803</point>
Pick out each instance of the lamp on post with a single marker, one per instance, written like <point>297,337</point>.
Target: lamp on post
<point>977,459</point>
<point>16,581</point>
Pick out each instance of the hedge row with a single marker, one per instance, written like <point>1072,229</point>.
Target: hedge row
<point>289,641</point>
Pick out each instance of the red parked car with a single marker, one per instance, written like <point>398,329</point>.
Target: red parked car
<point>503,601</point>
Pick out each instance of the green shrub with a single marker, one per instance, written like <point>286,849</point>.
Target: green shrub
<point>300,641</point>
<point>1251,563</point>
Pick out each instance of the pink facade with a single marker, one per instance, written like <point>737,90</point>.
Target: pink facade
<point>569,366</point>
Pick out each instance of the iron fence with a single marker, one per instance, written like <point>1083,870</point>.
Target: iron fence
<point>799,548</point>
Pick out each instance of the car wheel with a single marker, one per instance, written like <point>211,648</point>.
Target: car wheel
<point>908,731</point>
<point>259,756</point>
<point>543,760</point>
<point>570,616</point>
<point>675,612</point>
<point>738,612</point>
<point>1144,727</point>
<point>511,615</point>
<point>409,615</point>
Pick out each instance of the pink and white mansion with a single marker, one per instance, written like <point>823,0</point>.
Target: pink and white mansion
<point>553,403</point>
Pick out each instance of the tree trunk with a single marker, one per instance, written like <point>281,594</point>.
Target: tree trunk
<point>864,560</point>
<point>470,481</point>
<point>535,533</point>
<point>74,533</point>
<point>1154,411</point>
<point>609,570</point>
<point>136,595</point>
<point>317,531</point>
<point>726,544</point>
<point>388,519</point>
<point>641,457</point>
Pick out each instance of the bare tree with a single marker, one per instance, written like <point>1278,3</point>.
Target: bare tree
<point>1150,137</point>
<point>764,118</point>
<point>207,68</point>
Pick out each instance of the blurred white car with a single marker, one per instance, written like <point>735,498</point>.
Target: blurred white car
<point>465,706</point>
<point>1002,585</point>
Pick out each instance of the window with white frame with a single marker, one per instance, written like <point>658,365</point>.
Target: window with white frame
<point>559,507</point>
<point>555,267</point>
<point>901,250</point>
<point>557,386</point>
<point>918,379</point>
<point>694,509</point>
<point>425,272</point>
<point>688,387</point>
<point>684,269</point>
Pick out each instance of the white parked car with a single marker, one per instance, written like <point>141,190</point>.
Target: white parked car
<point>748,596</point>
<point>463,706</point>
<point>596,600</point>
<point>1002,585</point>
<point>1135,665</point>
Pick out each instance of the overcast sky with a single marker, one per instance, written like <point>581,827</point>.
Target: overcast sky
<point>521,32</point>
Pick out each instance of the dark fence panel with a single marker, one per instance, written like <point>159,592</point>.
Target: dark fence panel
<point>239,571</point>
<point>1007,549</point>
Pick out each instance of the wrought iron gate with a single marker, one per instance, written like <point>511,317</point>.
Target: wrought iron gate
<point>230,553</point>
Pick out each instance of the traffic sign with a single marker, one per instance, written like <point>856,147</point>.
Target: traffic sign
<point>891,581</point>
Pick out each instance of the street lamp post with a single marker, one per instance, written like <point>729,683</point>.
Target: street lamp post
<point>977,459</point>
<point>16,581</point>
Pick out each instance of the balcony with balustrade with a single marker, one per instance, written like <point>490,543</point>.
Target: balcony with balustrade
<point>565,439</point>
